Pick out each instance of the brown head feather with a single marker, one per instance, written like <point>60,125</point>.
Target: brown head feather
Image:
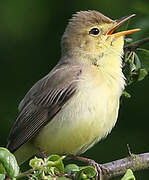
<point>77,29</point>
<point>88,18</point>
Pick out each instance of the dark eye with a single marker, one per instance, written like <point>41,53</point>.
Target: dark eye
<point>94,31</point>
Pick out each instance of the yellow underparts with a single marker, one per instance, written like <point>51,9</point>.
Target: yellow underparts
<point>87,117</point>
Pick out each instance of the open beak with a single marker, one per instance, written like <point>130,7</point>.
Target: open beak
<point>122,33</point>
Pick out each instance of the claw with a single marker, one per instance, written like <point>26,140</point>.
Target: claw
<point>100,169</point>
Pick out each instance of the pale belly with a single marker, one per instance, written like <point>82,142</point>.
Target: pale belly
<point>87,117</point>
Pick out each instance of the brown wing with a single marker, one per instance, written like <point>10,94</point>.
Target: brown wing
<point>43,102</point>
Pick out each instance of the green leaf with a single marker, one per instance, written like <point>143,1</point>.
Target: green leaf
<point>63,178</point>
<point>128,40</point>
<point>36,163</point>
<point>2,176</point>
<point>9,162</point>
<point>137,62</point>
<point>144,50</point>
<point>142,74</point>
<point>144,57</point>
<point>128,175</point>
<point>132,67</point>
<point>70,168</point>
<point>48,167</point>
<point>126,94</point>
<point>56,161</point>
<point>87,172</point>
<point>2,169</point>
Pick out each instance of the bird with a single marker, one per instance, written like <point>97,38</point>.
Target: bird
<point>76,104</point>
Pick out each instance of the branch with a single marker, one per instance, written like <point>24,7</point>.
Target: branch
<point>115,168</point>
<point>134,45</point>
<point>25,174</point>
<point>133,162</point>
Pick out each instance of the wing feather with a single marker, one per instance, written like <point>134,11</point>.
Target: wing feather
<point>43,102</point>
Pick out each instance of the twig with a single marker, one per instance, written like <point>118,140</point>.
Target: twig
<point>134,45</point>
<point>24,174</point>
<point>117,168</point>
<point>133,162</point>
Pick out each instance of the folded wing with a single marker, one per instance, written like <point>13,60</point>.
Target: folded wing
<point>44,100</point>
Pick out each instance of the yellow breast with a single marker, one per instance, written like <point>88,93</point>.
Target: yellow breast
<point>87,117</point>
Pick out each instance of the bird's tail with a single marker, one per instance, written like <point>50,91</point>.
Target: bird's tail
<point>25,152</point>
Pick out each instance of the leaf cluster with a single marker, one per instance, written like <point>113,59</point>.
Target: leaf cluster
<point>135,64</point>
<point>50,168</point>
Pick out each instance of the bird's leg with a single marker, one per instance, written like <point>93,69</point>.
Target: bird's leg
<point>100,169</point>
<point>42,153</point>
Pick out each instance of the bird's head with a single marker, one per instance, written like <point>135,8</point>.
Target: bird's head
<point>90,33</point>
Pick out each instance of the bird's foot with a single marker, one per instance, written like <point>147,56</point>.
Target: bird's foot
<point>100,169</point>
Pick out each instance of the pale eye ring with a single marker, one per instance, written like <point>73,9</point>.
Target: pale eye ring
<point>94,31</point>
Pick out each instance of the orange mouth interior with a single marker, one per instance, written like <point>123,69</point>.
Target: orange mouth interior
<point>122,33</point>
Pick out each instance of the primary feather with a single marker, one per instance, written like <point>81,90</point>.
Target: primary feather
<point>42,102</point>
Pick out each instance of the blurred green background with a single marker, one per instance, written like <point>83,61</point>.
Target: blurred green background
<point>30,34</point>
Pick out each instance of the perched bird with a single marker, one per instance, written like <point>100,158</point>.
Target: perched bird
<point>77,103</point>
